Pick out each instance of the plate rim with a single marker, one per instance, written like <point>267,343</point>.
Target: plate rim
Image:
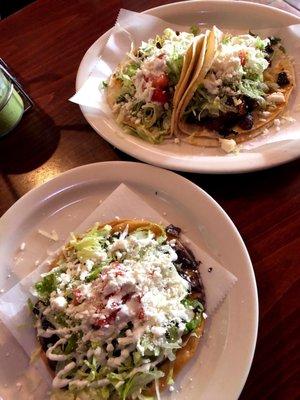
<point>200,166</point>
<point>59,184</point>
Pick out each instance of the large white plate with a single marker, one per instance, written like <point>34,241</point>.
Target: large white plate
<point>222,364</point>
<point>236,15</point>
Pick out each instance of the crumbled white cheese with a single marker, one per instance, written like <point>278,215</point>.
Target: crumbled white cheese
<point>212,84</point>
<point>276,97</point>
<point>265,113</point>
<point>228,145</point>
<point>22,246</point>
<point>176,140</point>
<point>265,131</point>
<point>58,303</point>
<point>89,264</point>
<point>158,330</point>
<point>277,122</point>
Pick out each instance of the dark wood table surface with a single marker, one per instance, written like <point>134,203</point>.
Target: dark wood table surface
<point>44,44</point>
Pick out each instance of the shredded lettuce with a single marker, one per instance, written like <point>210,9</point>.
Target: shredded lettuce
<point>91,244</point>
<point>198,309</point>
<point>174,65</point>
<point>71,344</point>
<point>140,380</point>
<point>46,286</point>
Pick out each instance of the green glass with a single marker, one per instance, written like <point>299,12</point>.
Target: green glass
<point>11,105</point>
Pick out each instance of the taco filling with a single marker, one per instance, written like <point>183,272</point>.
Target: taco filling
<point>120,311</point>
<point>141,90</point>
<point>248,80</point>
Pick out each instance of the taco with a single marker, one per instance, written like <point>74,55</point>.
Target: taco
<point>146,85</point>
<point>121,310</point>
<point>243,85</point>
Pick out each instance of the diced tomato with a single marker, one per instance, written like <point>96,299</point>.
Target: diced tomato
<point>126,297</point>
<point>160,96</point>
<point>114,264</point>
<point>243,57</point>
<point>99,323</point>
<point>141,313</point>
<point>77,297</point>
<point>110,295</point>
<point>160,81</point>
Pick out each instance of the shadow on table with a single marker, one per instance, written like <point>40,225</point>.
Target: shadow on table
<point>265,183</point>
<point>231,186</point>
<point>30,144</point>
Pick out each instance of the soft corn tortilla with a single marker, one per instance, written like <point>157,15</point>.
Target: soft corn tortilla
<point>204,55</point>
<point>184,354</point>
<point>201,136</point>
<point>189,63</point>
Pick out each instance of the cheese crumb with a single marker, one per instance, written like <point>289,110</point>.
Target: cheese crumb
<point>171,388</point>
<point>276,97</point>
<point>22,246</point>
<point>265,131</point>
<point>277,122</point>
<point>204,315</point>
<point>176,140</point>
<point>265,113</point>
<point>228,145</point>
<point>58,302</point>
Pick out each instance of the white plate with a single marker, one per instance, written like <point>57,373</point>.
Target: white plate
<point>221,367</point>
<point>184,157</point>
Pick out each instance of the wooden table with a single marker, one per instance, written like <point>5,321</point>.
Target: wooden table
<point>44,43</point>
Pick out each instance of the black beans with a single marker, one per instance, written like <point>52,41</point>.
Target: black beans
<point>250,103</point>
<point>46,324</point>
<point>269,49</point>
<point>282,79</point>
<point>177,33</point>
<point>246,122</point>
<point>173,230</point>
<point>227,131</point>
<point>274,40</point>
<point>242,107</point>
<point>158,45</point>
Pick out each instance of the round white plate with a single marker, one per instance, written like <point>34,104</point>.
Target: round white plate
<point>184,157</point>
<point>220,368</point>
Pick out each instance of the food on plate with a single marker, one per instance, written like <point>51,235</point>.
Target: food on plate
<point>210,89</point>
<point>144,86</point>
<point>120,311</point>
<point>243,85</point>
